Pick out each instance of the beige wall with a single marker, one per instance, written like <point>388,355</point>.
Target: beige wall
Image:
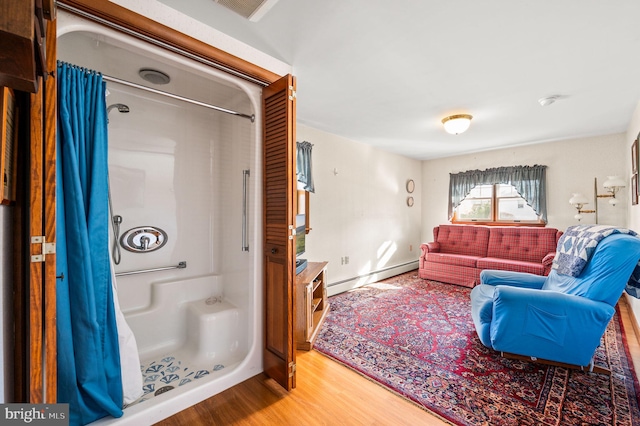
<point>633,211</point>
<point>572,166</point>
<point>631,135</point>
<point>359,210</point>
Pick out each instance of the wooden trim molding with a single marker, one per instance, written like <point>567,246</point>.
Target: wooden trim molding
<point>35,322</point>
<point>49,182</point>
<point>125,18</point>
<point>463,222</point>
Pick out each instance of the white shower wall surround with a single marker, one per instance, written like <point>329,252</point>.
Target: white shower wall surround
<point>179,167</point>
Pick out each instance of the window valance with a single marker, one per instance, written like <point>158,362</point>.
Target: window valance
<point>529,181</point>
<point>303,165</point>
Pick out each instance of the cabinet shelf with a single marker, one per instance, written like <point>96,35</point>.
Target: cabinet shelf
<point>316,284</point>
<point>318,317</point>
<point>311,303</point>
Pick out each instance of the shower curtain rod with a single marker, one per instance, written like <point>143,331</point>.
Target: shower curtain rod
<point>251,117</point>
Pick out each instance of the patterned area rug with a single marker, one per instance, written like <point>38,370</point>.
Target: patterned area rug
<point>416,337</point>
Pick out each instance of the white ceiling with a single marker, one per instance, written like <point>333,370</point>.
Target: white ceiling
<point>386,73</point>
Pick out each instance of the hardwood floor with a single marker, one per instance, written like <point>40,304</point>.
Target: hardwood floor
<point>327,393</point>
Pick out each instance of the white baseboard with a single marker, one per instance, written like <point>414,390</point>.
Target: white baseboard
<point>371,277</point>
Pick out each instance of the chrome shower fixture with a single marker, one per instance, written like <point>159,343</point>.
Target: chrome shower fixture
<point>143,239</point>
<point>117,220</point>
<point>121,108</point>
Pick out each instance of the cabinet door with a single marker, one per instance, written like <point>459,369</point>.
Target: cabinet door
<point>279,224</point>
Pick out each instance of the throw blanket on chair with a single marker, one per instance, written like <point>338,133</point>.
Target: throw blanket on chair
<point>578,243</point>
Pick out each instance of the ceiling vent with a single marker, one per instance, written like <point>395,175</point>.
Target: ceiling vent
<point>253,10</point>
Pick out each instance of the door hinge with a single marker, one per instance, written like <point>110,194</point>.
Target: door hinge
<point>292,230</point>
<point>292,369</point>
<point>293,93</point>
<point>47,248</point>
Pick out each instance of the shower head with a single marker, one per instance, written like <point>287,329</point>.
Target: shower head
<point>121,108</point>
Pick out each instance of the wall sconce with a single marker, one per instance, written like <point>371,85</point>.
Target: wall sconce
<point>578,201</point>
<point>612,185</point>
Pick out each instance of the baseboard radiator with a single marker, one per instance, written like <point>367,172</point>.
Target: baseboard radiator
<point>370,277</point>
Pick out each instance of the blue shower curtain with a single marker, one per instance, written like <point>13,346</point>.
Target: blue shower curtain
<point>89,377</point>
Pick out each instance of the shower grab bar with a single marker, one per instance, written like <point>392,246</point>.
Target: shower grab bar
<point>251,117</point>
<point>180,265</point>
<point>245,205</point>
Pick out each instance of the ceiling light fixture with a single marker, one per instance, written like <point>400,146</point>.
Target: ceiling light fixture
<point>456,124</point>
<point>548,100</point>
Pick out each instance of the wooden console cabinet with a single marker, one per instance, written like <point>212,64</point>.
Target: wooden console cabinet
<point>311,304</point>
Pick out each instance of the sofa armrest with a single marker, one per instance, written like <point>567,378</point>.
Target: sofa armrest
<point>433,247</point>
<point>513,279</point>
<point>547,261</point>
<point>425,248</point>
<point>548,324</point>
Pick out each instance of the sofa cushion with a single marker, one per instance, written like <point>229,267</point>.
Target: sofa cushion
<point>462,239</point>
<point>527,244</point>
<point>452,259</point>
<point>444,273</point>
<point>510,265</point>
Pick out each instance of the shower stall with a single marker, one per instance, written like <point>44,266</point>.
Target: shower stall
<point>185,184</point>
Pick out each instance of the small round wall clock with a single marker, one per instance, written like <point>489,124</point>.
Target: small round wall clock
<point>410,186</point>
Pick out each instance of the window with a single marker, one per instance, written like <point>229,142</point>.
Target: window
<point>477,206</point>
<point>495,203</point>
<point>505,195</point>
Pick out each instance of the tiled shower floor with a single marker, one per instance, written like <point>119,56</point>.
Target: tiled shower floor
<point>169,372</point>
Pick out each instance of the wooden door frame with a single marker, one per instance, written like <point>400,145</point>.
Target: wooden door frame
<point>35,351</point>
<point>49,173</point>
<point>35,289</point>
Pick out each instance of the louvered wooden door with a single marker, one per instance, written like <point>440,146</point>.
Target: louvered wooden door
<point>279,224</point>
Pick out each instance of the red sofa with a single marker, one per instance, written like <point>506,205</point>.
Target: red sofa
<point>460,252</point>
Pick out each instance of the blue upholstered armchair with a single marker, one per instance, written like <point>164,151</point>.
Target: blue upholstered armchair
<point>560,317</point>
